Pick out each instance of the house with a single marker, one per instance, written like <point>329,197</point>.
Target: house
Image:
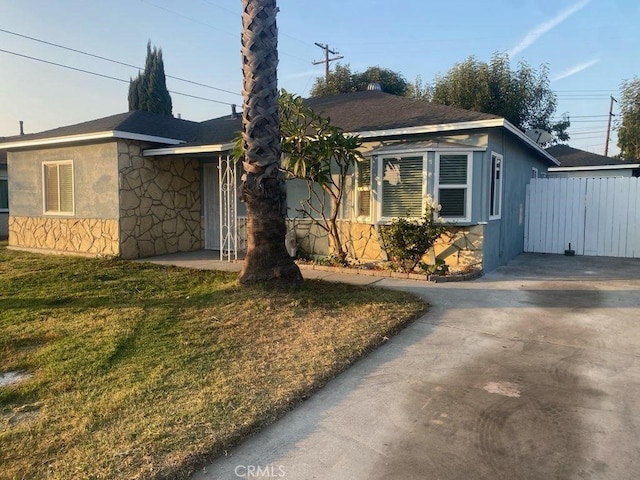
<point>89,189</point>
<point>4,196</point>
<point>138,184</point>
<point>579,163</point>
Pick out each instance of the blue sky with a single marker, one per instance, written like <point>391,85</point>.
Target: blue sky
<point>590,46</point>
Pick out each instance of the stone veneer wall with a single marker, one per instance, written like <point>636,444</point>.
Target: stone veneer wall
<point>78,235</point>
<point>159,203</point>
<point>461,248</point>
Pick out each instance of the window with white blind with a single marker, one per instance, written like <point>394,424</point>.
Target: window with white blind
<point>402,186</point>
<point>363,189</point>
<point>453,185</point>
<point>58,187</point>
<point>496,186</point>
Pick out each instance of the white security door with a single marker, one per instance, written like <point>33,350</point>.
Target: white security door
<point>211,206</point>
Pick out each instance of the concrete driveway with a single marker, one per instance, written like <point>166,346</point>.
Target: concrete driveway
<point>531,372</point>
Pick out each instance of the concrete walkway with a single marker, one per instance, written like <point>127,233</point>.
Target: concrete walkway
<point>531,372</point>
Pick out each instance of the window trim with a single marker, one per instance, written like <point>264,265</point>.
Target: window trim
<point>6,179</point>
<point>380,181</point>
<point>468,186</point>
<point>57,163</point>
<point>492,198</point>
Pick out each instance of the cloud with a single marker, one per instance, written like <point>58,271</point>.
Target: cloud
<point>543,28</point>
<point>575,69</point>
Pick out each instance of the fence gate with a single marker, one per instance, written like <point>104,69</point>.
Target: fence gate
<point>597,216</point>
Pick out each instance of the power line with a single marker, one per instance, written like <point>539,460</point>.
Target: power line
<point>106,76</point>
<point>113,61</point>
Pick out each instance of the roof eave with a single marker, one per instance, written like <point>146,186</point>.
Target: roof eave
<point>88,137</point>
<point>435,128</point>
<point>188,149</point>
<point>595,167</point>
<point>471,125</point>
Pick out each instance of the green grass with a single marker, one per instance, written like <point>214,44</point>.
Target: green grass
<point>140,371</point>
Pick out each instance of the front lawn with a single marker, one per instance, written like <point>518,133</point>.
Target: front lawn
<point>139,371</point>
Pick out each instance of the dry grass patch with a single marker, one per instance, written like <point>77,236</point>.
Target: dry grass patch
<point>140,371</point>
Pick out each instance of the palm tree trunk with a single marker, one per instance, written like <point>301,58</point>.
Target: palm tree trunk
<point>263,187</point>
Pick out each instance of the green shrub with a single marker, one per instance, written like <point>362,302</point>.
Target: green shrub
<point>407,240</point>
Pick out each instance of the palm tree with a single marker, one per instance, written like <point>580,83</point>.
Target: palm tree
<point>263,187</point>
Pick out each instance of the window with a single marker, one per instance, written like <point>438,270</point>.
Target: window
<point>363,189</point>
<point>4,195</point>
<point>496,186</point>
<point>402,186</point>
<point>453,185</point>
<point>534,172</point>
<point>58,187</point>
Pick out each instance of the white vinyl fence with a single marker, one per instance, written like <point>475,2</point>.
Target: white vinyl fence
<point>597,216</point>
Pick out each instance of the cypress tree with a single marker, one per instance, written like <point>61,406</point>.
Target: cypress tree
<point>148,91</point>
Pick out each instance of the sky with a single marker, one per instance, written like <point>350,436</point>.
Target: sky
<point>589,47</point>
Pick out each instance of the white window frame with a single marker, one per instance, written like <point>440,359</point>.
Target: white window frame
<point>495,208</point>
<point>467,186</point>
<point>44,188</point>
<point>4,178</point>
<point>380,181</point>
<point>363,188</point>
<point>534,172</point>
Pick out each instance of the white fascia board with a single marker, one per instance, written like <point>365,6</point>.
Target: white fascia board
<point>88,137</point>
<point>443,127</point>
<point>594,167</point>
<point>146,138</point>
<point>187,150</point>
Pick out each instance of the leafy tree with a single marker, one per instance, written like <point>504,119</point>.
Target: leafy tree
<point>418,89</point>
<point>629,125</point>
<point>148,91</point>
<point>522,96</point>
<point>339,81</point>
<point>263,185</point>
<point>320,154</point>
<point>342,80</point>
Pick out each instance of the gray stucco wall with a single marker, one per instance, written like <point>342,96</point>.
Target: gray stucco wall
<point>95,181</point>
<point>504,238</point>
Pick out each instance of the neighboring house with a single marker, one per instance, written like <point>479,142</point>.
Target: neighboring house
<point>4,196</point>
<point>138,185</point>
<point>579,163</point>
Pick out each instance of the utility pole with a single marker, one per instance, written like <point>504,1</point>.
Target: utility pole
<point>326,60</point>
<point>606,143</point>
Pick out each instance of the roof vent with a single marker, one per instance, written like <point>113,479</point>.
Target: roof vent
<point>374,86</point>
<point>234,113</point>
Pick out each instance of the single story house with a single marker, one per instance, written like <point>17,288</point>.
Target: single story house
<point>139,184</point>
<point>4,196</point>
<point>580,163</point>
